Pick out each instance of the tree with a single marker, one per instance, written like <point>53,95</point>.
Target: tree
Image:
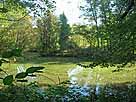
<point>16,24</point>
<point>8,22</point>
<point>129,7</point>
<point>119,36</point>
<point>64,31</point>
<point>49,31</point>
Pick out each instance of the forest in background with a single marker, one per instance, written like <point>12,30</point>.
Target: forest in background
<point>109,36</point>
<point>38,50</point>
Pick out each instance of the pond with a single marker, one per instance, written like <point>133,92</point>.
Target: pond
<point>85,92</point>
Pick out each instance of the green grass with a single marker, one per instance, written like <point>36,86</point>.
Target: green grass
<point>56,70</point>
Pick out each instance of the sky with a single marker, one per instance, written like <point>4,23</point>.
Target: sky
<point>71,10</point>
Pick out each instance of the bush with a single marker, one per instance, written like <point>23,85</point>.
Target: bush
<point>7,54</point>
<point>13,52</point>
<point>17,52</point>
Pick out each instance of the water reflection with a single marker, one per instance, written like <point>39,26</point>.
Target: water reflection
<point>74,87</point>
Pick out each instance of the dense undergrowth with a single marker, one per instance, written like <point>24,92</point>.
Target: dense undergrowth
<point>60,93</point>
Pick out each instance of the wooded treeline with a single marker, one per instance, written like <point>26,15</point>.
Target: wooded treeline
<point>109,36</point>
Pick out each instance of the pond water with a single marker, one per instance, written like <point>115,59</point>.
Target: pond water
<point>117,93</point>
<point>74,87</point>
<point>84,89</point>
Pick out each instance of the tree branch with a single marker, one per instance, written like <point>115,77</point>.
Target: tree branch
<point>14,19</point>
<point>130,5</point>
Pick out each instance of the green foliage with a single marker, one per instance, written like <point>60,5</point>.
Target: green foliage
<point>7,54</point>
<point>17,52</point>
<point>21,75</point>
<point>113,38</point>
<point>48,28</point>
<point>59,93</point>
<point>3,10</point>
<point>13,52</point>
<point>16,23</point>
<point>64,31</point>
<point>21,94</point>
<point>34,69</point>
<point>8,80</point>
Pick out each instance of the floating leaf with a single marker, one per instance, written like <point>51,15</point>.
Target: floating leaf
<point>8,80</point>
<point>21,75</point>
<point>34,69</point>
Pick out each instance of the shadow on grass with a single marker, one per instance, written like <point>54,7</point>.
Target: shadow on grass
<point>51,60</point>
